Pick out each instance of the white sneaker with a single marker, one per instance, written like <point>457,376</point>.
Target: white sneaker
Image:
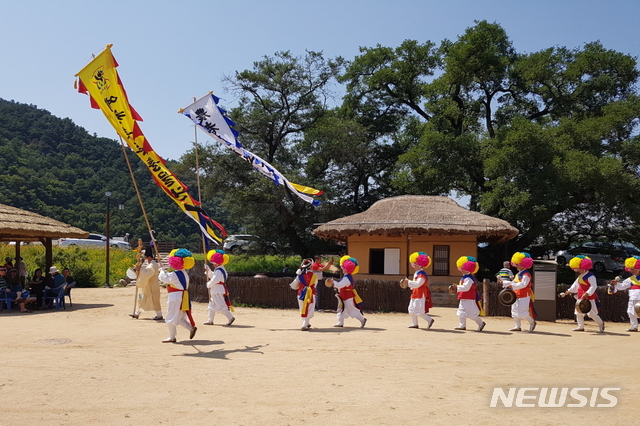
<point>363,322</point>
<point>578,329</point>
<point>431,323</point>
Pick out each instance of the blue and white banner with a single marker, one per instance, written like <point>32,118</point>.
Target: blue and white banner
<point>209,117</point>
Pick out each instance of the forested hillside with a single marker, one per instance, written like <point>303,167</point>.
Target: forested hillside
<point>53,167</point>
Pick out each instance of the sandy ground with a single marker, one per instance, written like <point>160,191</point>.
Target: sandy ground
<point>93,364</point>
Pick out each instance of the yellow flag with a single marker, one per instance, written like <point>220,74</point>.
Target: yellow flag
<point>99,79</point>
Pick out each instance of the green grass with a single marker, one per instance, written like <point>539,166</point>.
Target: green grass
<point>88,266</point>
<point>246,263</point>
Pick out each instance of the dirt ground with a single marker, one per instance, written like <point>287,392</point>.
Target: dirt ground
<point>93,364</point>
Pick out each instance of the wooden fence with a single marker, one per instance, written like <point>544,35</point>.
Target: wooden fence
<point>378,296</point>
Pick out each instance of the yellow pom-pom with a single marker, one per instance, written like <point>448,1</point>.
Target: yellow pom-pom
<point>209,254</point>
<point>343,258</point>
<point>189,262</point>
<point>517,258</point>
<point>173,252</point>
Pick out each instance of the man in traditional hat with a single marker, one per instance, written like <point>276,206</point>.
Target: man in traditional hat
<point>52,284</point>
<point>468,293</point>
<point>178,303</point>
<point>305,283</point>
<point>219,300</point>
<point>585,287</point>
<point>148,286</point>
<point>522,308</point>
<point>632,283</point>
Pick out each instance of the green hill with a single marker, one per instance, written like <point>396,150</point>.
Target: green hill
<point>55,168</point>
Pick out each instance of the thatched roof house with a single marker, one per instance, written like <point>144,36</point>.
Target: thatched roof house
<point>419,214</point>
<point>383,237</point>
<point>21,225</point>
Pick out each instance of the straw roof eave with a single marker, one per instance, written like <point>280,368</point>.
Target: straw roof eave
<point>21,225</point>
<point>418,215</point>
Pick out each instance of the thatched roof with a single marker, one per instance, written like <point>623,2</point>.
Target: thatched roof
<point>418,214</point>
<point>21,225</point>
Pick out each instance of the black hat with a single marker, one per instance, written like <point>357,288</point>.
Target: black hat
<point>148,252</point>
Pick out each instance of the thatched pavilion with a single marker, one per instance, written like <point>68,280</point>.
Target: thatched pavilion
<point>17,225</point>
<point>383,237</point>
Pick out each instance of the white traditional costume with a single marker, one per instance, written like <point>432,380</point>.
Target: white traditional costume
<point>305,283</point>
<point>347,295</point>
<point>178,303</point>
<point>420,293</point>
<point>148,286</point>
<point>632,283</point>
<point>219,300</point>
<point>522,308</point>
<point>585,284</point>
<point>468,293</point>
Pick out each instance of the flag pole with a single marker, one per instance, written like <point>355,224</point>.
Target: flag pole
<point>146,218</point>
<point>195,143</point>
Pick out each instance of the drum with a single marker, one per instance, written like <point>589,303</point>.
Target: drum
<point>583,306</point>
<point>131,274</point>
<point>507,297</point>
<point>329,282</point>
<point>637,308</point>
<point>404,283</point>
<point>453,289</point>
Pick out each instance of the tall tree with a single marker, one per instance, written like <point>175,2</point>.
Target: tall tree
<point>280,99</point>
<point>539,139</point>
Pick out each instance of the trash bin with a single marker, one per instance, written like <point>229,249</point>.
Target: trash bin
<point>544,287</point>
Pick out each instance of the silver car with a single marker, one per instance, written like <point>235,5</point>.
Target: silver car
<point>245,243</point>
<point>605,256</point>
<point>93,241</point>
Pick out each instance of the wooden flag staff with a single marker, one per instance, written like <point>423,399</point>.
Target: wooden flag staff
<point>146,218</point>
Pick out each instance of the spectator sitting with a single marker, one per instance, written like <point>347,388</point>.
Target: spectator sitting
<point>71,282</point>
<point>53,282</point>
<point>126,238</point>
<point>7,263</point>
<point>13,288</point>
<point>36,286</point>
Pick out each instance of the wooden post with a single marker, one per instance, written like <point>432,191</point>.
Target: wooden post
<point>485,296</point>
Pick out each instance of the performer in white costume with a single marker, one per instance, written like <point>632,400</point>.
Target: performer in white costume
<point>148,286</point>
<point>305,283</point>
<point>420,293</point>
<point>585,287</point>
<point>468,293</point>
<point>219,300</point>
<point>522,308</point>
<point>348,296</point>
<point>632,283</point>
<point>178,303</point>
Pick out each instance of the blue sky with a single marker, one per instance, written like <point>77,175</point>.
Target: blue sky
<point>172,51</point>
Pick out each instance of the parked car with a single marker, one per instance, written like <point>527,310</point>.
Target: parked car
<point>245,243</point>
<point>605,256</point>
<point>94,240</point>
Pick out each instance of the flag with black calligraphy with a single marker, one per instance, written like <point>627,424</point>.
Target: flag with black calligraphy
<point>212,119</point>
<point>100,80</point>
